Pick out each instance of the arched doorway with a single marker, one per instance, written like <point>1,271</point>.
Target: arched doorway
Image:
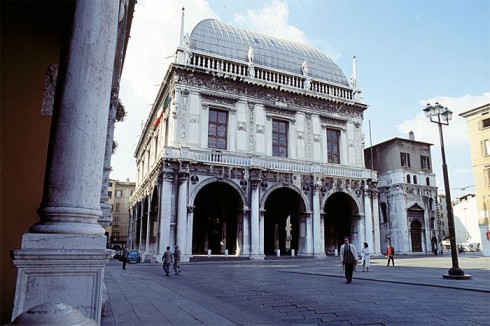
<point>215,219</point>
<point>339,210</point>
<point>281,221</point>
<point>416,236</point>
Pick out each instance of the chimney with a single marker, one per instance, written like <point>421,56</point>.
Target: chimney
<point>411,135</point>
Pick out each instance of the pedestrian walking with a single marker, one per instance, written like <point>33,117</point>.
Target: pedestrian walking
<point>125,254</point>
<point>390,252</point>
<point>365,256</point>
<point>348,258</point>
<point>177,255</point>
<point>167,260</point>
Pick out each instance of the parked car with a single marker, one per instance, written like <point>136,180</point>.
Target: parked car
<point>118,255</point>
<point>134,256</point>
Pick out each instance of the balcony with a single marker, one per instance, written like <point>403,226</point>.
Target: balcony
<point>265,163</point>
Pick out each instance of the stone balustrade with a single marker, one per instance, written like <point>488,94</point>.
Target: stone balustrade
<point>263,162</point>
<point>236,69</point>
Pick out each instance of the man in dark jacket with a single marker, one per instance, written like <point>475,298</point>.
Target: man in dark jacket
<point>348,258</point>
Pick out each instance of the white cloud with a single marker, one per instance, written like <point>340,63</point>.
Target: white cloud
<point>153,41</point>
<point>455,139</point>
<point>271,19</point>
<point>455,135</point>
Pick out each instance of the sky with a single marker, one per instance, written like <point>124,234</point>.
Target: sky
<point>408,53</point>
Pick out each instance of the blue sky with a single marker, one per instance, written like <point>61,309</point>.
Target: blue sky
<point>408,53</point>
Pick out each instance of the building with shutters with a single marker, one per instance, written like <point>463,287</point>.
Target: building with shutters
<point>478,121</point>
<point>409,214</point>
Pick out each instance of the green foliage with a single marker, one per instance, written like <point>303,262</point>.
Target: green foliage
<point>120,112</point>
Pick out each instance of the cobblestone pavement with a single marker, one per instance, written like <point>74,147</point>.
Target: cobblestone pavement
<point>300,292</point>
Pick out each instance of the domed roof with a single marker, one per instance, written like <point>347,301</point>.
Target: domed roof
<point>214,37</point>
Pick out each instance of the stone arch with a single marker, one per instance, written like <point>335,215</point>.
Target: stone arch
<point>348,192</point>
<point>341,216</point>
<point>415,215</point>
<point>284,216</point>
<point>292,187</point>
<point>216,219</point>
<point>202,184</point>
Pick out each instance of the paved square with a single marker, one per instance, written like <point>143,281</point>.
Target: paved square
<point>299,292</point>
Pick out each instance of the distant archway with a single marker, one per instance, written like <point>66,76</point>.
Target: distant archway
<point>416,236</point>
<point>215,220</point>
<point>340,210</point>
<point>283,207</point>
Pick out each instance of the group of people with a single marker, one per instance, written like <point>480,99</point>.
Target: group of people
<point>349,258</point>
<point>170,258</point>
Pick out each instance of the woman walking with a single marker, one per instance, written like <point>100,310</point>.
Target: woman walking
<point>366,260</point>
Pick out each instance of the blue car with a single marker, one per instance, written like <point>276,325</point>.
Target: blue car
<point>134,256</point>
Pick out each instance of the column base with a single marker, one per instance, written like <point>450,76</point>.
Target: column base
<point>456,274</point>
<point>257,257</point>
<point>67,268</point>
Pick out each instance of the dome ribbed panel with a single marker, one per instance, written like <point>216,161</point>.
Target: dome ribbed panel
<point>214,37</point>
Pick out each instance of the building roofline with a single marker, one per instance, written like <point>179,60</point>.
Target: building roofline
<point>399,139</point>
<point>474,111</point>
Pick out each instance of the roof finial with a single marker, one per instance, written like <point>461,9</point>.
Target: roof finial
<point>181,43</point>
<point>353,80</point>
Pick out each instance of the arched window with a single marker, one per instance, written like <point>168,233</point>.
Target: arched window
<point>427,181</point>
<point>408,178</point>
<point>414,179</point>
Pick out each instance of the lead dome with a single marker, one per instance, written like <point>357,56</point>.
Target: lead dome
<point>215,37</point>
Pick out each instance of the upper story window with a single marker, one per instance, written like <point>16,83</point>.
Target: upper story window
<point>408,178</point>
<point>119,193</point>
<point>486,175</point>
<point>405,159</point>
<point>218,129</point>
<point>486,147</point>
<point>333,145</point>
<point>425,162</point>
<point>427,181</point>
<point>414,179</point>
<point>279,138</point>
<point>109,193</point>
<point>485,123</point>
<point>118,207</point>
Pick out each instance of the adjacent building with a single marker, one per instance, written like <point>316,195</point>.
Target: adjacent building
<point>409,215</point>
<point>466,221</point>
<point>119,193</point>
<point>478,121</point>
<point>253,147</point>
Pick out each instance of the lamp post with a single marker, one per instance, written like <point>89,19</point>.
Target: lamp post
<point>442,115</point>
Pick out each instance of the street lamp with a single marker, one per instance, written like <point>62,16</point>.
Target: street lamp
<point>442,115</point>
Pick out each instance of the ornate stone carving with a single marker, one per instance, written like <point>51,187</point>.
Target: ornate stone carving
<point>260,129</point>
<point>294,102</point>
<point>194,118</point>
<point>242,126</point>
<point>309,140</point>
<point>251,121</point>
<point>183,114</point>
